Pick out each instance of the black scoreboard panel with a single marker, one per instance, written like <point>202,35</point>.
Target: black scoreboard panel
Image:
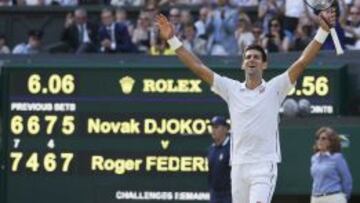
<point>120,135</point>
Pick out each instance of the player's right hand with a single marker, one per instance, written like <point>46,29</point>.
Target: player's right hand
<point>165,27</point>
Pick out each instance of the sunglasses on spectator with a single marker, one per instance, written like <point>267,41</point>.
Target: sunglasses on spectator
<point>275,25</point>
<point>321,138</point>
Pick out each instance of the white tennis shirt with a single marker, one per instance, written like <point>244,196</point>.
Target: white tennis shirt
<point>254,116</point>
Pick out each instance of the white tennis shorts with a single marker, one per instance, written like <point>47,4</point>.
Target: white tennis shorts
<point>253,183</point>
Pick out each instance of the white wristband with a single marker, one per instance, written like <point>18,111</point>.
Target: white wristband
<point>321,35</point>
<point>174,43</point>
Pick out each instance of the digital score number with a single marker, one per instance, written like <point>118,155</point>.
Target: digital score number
<point>55,84</point>
<point>56,119</point>
<point>34,162</point>
<point>312,86</point>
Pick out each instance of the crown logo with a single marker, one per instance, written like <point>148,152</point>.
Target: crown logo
<point>126,84</point>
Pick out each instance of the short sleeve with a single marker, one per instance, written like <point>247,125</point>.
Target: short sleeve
<point>282,84</point>
<point>222,86</point>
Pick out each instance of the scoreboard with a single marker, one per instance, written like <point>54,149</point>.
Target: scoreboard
<point>94,134</point>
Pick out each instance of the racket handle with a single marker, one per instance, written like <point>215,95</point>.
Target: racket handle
<point>339,49</point>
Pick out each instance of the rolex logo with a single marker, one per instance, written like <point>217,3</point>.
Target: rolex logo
<point>127,84</point>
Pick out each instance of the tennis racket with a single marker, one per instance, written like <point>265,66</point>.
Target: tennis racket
<point>321,5</point>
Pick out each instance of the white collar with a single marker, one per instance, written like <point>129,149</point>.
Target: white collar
<point>261,86</point>
<point>327,153</point>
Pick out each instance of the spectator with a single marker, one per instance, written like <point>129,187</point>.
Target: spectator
<point>142,33</point>
<point>168,3</point>
<point>200,24</point>
<point>352,28</point>
<point>243,34</point>
<point>121,17</point>
<point>332,181</point>
<point>277,40</point>
<point>257,33</point>
<point>293,10</point>
<point>120,3</point>
<point>244,3</point>
<point>65,2</point>
<point>80,34</point>
<point>219,162</point>
<point>151,8</point>
<point>33,45</point>
<point>175,20</point>
<point>4,49</point>
<point>221,25</point>
<point>303,34</point>
<point>269,9</point>
<point>192,43</point>
<point>114,37</point>
<point>34,2</point>
<point>186,17</point>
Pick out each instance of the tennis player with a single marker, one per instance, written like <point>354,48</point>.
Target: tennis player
<point>254,109</point>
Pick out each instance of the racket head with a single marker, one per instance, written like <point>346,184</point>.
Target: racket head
<point>319,5</point>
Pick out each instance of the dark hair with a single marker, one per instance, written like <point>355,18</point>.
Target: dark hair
<point>36,33</point>
<point>333,138</point>
<point>257,48</point>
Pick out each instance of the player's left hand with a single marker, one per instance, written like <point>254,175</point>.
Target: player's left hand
<point>327,18</point>
<point>165,27</point>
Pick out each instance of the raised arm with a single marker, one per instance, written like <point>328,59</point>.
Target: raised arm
<point>326,19</point>
<point>189,59</point>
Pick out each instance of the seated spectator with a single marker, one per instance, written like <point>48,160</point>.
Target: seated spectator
<point>80,34</point>
<point>168,2</point>
<point>174,18</point>
<point>244,3</point>
<point>293,10</point>
<point>243,34</point>
<point>114,37</point>
<point>34,2</point>
<point>66,2</point>
<point>303,35</point>
<point>127,2</point>
<point>33,45</point>
<point>269,9</point>
<point>200,24</point>
<point>186,17</point>
<point>151,9</point>
<point>277,40</point>
<point>192,43</point>
<point>352,28</point>
<point>221,26</point>
<point>142,33</point>
<point>121,17</point>
<point>4,49</point>
<point>257,33</point>
<point>181,2</point>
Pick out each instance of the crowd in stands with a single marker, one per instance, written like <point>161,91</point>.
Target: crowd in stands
<point>218,27</point>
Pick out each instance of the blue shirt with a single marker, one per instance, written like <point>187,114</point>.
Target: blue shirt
<point>330,173</point>
<point>219,167</point>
